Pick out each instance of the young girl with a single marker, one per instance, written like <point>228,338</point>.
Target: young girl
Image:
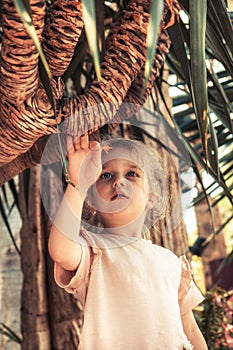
<point>135,295</point>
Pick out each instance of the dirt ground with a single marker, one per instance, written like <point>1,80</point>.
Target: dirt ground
<point>10,281</point>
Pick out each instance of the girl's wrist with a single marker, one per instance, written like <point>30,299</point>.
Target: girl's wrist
<point>75,191</point>
<point>71,183</point>
<point>74,186</point>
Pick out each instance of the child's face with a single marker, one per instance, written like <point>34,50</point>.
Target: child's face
<point>121,193</point>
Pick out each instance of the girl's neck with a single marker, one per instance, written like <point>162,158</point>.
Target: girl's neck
<point>133,229</point>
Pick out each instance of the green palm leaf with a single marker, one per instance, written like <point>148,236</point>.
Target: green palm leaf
<point>152,35</point>
<point>91,32</point>
<point>7,331</point>
<point>198,13</point>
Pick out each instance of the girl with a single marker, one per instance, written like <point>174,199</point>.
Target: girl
<point>136,295</point>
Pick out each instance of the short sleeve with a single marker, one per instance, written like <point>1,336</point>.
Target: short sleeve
<point>76,282</point>
<point>189,295</point>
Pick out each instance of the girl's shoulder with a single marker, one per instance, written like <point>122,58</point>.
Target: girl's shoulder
<point>165,253</point>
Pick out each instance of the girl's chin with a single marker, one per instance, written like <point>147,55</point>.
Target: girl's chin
<point>115,206</point>
<point>121,219</point>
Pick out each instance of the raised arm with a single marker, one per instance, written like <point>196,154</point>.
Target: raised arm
<point>84,165</point>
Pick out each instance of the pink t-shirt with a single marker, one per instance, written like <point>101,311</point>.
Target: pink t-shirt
<point>133,293</point>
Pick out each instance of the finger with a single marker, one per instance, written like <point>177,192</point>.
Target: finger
<point>96,153</point>
<point>94,145</point>
<point>84,141</point>
<point>77,143</point>
<point>70,146</point>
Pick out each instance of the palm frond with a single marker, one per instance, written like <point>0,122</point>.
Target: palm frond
<point>7,331</point>
<point>5,217</point>
<point>89,15</point>
<point>198,12</point>
<point>152,36</point>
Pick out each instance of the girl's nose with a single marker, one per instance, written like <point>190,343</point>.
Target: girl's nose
<point>118,183</point>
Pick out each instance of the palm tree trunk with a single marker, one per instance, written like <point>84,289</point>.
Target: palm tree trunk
<point>50,318</point>
<point>34,304</point>
<point>35,115</point>
<point>216,249</point>
<point>26,113</point>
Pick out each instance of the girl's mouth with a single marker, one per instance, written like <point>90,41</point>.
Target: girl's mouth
<point>119,195</point>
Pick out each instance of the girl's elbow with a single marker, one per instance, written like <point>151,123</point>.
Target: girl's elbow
<point>66,254</point>
<point>52,250</point>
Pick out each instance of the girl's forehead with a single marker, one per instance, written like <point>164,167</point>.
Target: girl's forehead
<point>128,156</point>
<point>121,163</point>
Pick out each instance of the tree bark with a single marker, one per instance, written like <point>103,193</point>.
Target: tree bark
<point>26,113</point>
<point>50,318</point>
<point>124,59</point>
<point>34,304</point>
<point>216,249</point>
<point>131,104</point>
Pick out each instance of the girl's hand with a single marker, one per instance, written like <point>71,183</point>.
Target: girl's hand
<point>84,161</point>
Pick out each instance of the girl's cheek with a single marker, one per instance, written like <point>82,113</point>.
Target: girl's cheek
<point>98,192</point>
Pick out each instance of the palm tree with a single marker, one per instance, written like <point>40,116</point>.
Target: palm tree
<point>30,99</point>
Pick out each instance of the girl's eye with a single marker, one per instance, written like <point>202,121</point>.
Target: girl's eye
<point>131,173</point>
<point>106,176</point>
